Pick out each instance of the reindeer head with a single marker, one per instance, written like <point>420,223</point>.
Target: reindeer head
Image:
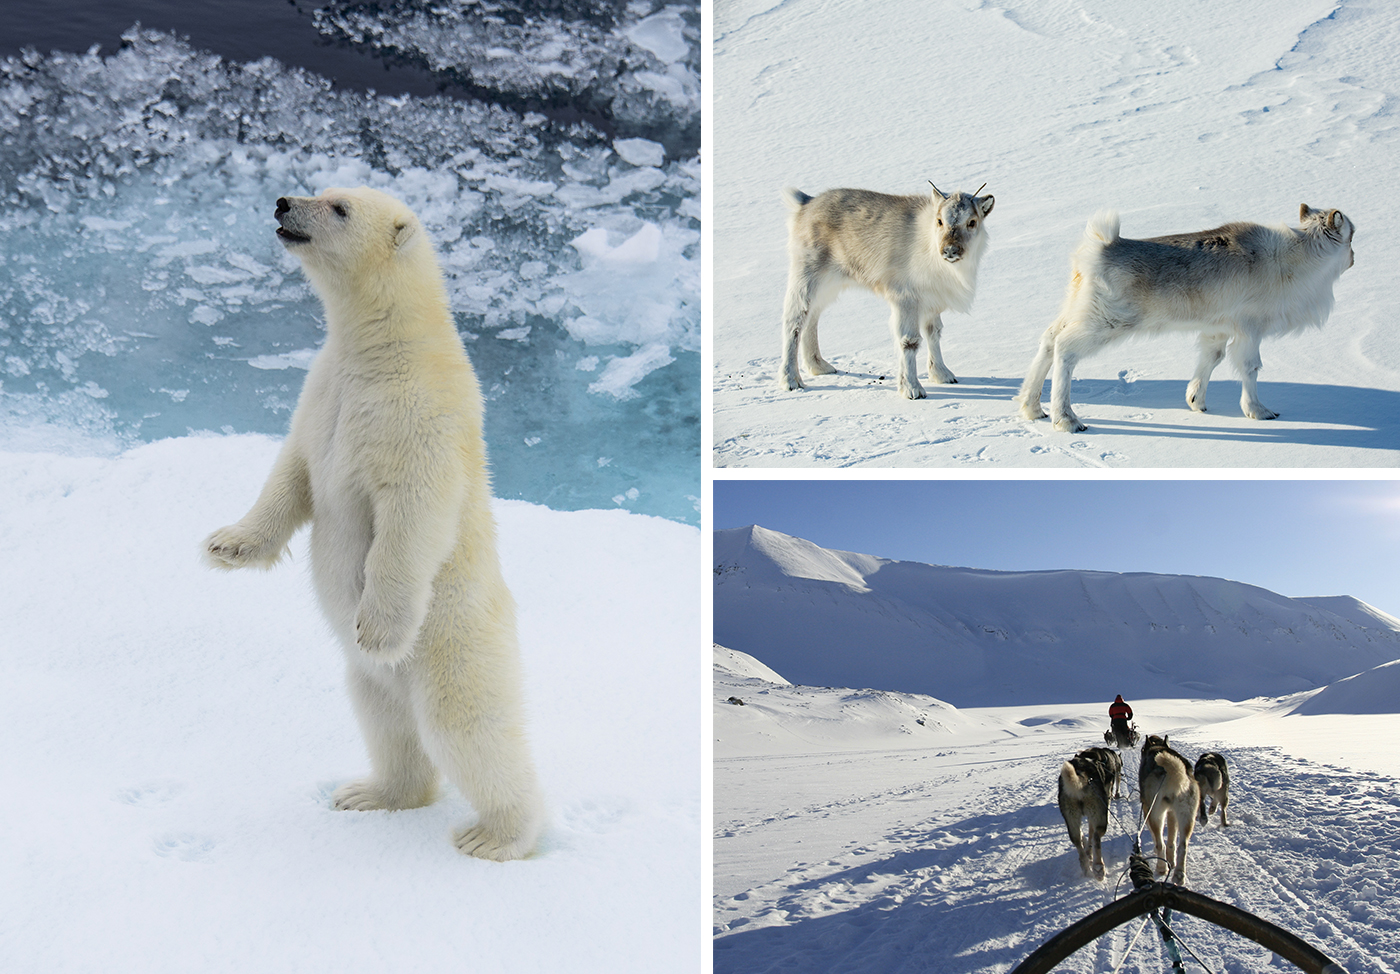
<point>958,222</point>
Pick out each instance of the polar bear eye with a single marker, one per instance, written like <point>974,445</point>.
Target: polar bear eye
<point>340,210</point>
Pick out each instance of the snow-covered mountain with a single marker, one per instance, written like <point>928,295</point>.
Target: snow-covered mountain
<point>975,637</point>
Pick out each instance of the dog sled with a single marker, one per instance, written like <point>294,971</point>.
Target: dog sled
<point>1120,741</point>
<point>1158,899</point>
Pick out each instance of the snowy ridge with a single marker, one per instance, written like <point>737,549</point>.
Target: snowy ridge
<point>743,668</point>
<point>1356,610</point>
<point>975,637</point>
<point>784,556</point>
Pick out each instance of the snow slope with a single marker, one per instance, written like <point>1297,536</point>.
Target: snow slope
<point>873,849</point>
<point>742,666</point>
<point>1373,691</point>
<point>173,735</point>
<point>977,638</point>
<point>1181,115</point>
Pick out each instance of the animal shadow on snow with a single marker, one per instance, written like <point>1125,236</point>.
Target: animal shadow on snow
<point>1370,412</point>
<point>967,387</point>
<point>949,911</point>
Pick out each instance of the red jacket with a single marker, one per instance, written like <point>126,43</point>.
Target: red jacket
<point>1118,710</point>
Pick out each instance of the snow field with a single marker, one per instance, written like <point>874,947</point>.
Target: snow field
<point>951,854</point>
<point>1181,116</point>
<point>174,734</point>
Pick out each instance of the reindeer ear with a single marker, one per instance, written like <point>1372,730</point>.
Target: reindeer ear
<point>1303,211</point>
<point>938,194</point>
<point>1334,220</point>
<point>985,203</point>
<point>404,231</point>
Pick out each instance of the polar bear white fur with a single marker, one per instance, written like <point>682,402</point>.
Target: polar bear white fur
<point>385,458</point>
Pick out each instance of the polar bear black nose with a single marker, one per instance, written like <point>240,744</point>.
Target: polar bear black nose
<point>282,205</point>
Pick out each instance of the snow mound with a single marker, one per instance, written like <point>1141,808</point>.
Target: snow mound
<point>1375,691</point>
<point>757,714</point>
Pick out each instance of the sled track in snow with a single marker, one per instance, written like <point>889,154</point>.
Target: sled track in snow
<point>982,881</point>
<point>1312,848</point>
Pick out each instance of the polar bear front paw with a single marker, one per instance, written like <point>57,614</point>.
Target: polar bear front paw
<point>384,633</point>
<point>236,547</point>
<point>486,843</point>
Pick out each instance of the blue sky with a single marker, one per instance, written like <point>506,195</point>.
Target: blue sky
<point>1296,537</point>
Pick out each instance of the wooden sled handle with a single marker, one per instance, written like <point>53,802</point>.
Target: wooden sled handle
<point>1291,948</point>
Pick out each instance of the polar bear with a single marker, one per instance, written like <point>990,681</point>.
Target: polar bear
<point>385,458</point>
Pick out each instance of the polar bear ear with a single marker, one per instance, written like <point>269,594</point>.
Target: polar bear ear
<point>404,232</point>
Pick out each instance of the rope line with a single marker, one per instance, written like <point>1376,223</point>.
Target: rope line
<point>1128,953</point>
<point>1177,937</point>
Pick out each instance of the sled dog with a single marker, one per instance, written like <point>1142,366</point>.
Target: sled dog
<point>1113,740</point>
<point>1213,778</point>
<point>1236,284</point>
<point>1087,780</point>
<point>1113,764</point>
<point>1169,795</point>
<point>919,253</point>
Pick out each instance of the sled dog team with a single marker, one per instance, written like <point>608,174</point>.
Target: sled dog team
<point>1174,796</point>
<point>1233,286</point>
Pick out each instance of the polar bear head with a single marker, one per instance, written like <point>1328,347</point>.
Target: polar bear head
<point>348,239</point>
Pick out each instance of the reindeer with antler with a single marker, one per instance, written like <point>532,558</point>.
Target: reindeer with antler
<point>919,253</point>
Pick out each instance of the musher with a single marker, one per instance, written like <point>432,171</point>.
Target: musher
<point>1119,713</point>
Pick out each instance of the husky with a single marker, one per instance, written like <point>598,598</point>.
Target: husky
<point>1213,777</point>
<point>1113,739</point>
<point>919,253</point>
<point>1087,781</point>
<point>1236,284</point>
<point>1113,762</point>
<point>1170,796</point>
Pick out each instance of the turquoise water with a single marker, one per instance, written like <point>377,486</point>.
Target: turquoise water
<point>142,294</point>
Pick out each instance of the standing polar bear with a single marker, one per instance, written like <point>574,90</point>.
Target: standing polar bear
<point>385,458</point>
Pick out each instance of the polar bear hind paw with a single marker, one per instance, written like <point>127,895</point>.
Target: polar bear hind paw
<point>368,795</point>
<point>486,843</point>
